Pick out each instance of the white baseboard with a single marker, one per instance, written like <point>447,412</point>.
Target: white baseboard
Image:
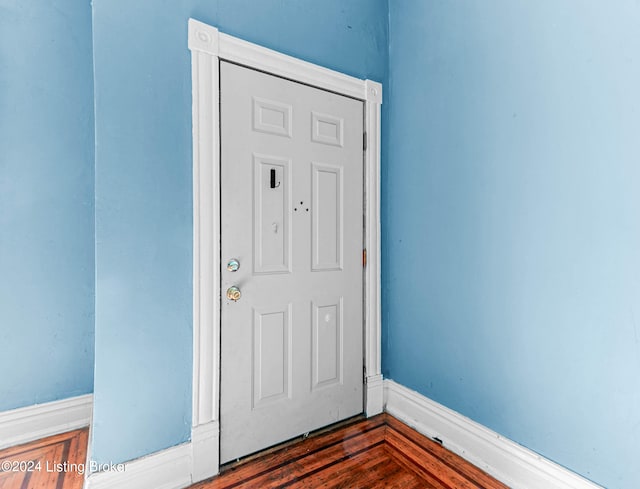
<point>513,464</point>
<point>167,469</point>
<point>30,423</point>
<point>173,468</point>
<point>206,450</point>
<point>374,395</point>
<point>179,466</point>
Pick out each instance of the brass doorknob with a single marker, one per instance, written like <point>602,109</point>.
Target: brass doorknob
<point>233,293</point>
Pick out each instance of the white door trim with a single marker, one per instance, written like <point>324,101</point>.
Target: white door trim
<point>208,46</point>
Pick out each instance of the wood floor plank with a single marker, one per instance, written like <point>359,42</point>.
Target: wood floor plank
<point>427,462</point>
<point>10,480</point>
<point>356,471</point>
<point>46,460</point>
<point>235,473</point>
<point>469,471</point>
<point>325,459</point>
<point>295,463</point>
<point>288,451</point>
<point>371,453</point>
<point>428,478</point>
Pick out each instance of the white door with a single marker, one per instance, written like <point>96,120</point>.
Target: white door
<point>292,217</point>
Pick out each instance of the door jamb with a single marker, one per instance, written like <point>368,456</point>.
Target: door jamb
<point>208,46</point>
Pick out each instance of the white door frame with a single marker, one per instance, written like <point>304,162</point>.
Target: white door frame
<point>208,46</point>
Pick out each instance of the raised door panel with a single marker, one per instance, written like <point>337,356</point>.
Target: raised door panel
<point>271,360</point>
<point>272,214</point>
<point>272,117</point>
<point>327,343</point>
<point>327,129</point>
<point>327,222</point>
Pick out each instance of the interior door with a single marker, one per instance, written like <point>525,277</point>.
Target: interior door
<point>292,236</point>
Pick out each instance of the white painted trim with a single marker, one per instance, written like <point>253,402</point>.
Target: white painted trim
<point>208,46</point>
<point>374,395</point>
<point>372,334</point>
<point>206,237</point>
<point>507,461</point>
<point>167,469</point>
<point>172,468</point>
<point>203,42</point>
<point>203,38</point>
<point>205,442</point>
<point>30,423</point>
<point>207,39</point>
<point>373,92</point>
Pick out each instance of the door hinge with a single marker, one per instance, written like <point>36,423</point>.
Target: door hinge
<point>364,258</point>
<point>364,141</point>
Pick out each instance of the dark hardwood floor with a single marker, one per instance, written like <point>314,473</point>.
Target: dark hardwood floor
<point>379,452</point>
<point>366,453</point>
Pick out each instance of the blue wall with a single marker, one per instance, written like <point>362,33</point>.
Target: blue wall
<point>511,222</point>
<point>143,366</point>
<point>46,201</point>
